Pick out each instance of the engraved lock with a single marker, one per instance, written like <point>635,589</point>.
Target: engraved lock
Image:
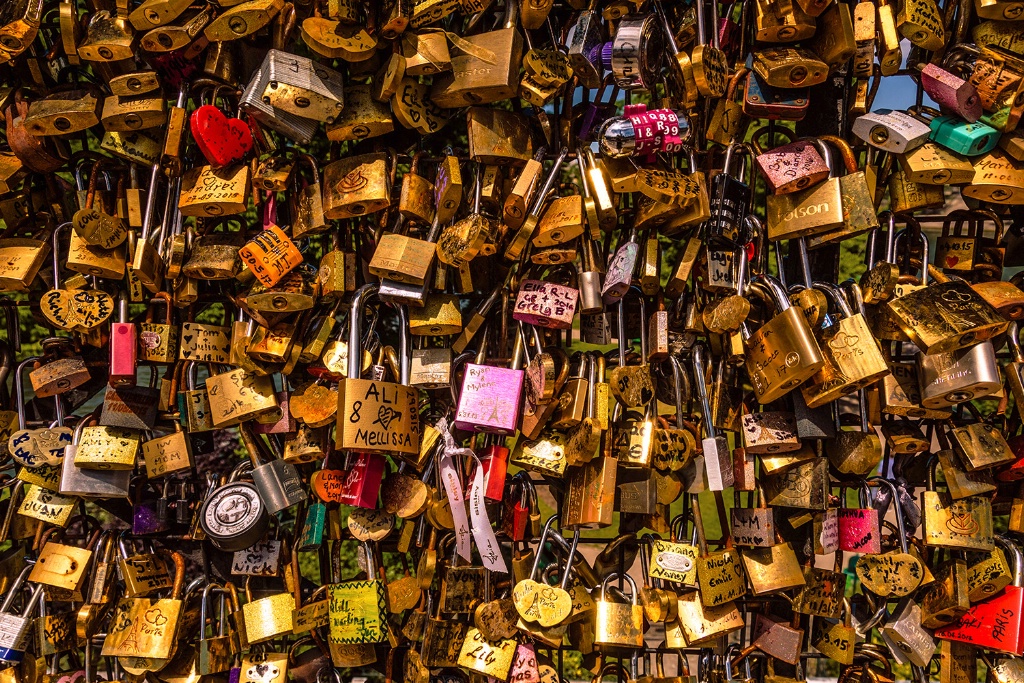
<point>932,164</point>
<point>234,516</point>
<point>789,67</point>
<point>618,624</point>
<point>299,86</point>
<point>834,40</point>
<point>635,53</point>
<point>357,185</point>
<point>15,628</point>
<point>782,22</point>
<point>242,20</point>
<point>108,37</point>
<point>368,409</point>
<point>34,448</point>
<point>297,128</point>
<point>996,179</point>
<point>976,625</point>
<point>945,316</point>
<point>953,377</point>
<point>490,399</point>
<point>856,452</point>
<point>815,210</point>
<point>473,80</point>
<point>792,167</point>
<point>951,92</point>
<point>782,353</point>
<point>853,359</point>
<point>416,199</point>
<point>957,135</point>
<point>546,303</point>
<point>91,482</point>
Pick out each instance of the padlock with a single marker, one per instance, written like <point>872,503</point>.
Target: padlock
<point>499,79</point>
<point>800,355</point>
<point>357,398</point>
<point>16,628</point>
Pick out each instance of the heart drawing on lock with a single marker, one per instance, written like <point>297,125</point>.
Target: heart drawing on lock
<point>951,261</point>
<point>222,140</point>
<point>76,310</point>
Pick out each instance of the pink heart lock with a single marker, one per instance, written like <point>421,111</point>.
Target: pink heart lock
<point>222,140</point>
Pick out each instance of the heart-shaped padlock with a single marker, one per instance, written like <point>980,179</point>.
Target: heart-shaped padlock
<point>222,140</point>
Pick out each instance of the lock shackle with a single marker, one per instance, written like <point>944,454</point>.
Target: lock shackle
<point>679,378</point>
<point>541,197</point>
<point>615,668</point>
<point>845,151</point>
<point>755,139</point>
<point>623,341</point>
<point>55,246</point>
<point>925,260</point>
<point>14,590</point>
<point>666,28</point>
<point>746,150</point>
<point>700,370</point>
<point>207,589</point>
<point>540,543</point>
<point>1014,549</point>
<point>569,560</point>
<point>19,391</point>
<point>835,294</point>
<point>804,261</point>
<point>774,290</point>
<point>355,324</point>
<point>895,503</point>
<point>854,295</point>
<point>826,153</point>
<point>1013,342</point>
<point>629,580</point>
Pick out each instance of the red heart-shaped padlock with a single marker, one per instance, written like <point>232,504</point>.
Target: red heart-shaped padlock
<point>222,140</point>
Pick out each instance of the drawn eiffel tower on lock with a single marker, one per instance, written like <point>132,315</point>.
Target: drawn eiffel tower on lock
<point>131,640</point>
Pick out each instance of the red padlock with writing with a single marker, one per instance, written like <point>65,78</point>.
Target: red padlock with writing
<point>996,623</point>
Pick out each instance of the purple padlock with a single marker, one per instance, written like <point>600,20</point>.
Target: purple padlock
<point>146,517</point>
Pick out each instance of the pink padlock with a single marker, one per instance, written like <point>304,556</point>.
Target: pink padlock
<point>546,304</point>
<point>123,348</point>
<point>859,528</point>
<point>951,92</point>
<point>491,397</point>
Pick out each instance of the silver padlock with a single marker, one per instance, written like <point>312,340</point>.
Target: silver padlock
<point>14,628</point>
<point>297,128</point>
<point>891,131</point>
<point>958,376</point>
<point>300,86</point>
<point>908,641</point>
<point>277,481</point>
<point>234,516</point>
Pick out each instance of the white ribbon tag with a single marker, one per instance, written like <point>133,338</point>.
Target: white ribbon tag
<point>481,531</point>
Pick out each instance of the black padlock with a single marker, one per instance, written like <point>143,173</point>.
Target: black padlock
<point>730,197</point>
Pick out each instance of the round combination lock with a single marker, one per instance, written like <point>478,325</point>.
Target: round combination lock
<point>234,517</point>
